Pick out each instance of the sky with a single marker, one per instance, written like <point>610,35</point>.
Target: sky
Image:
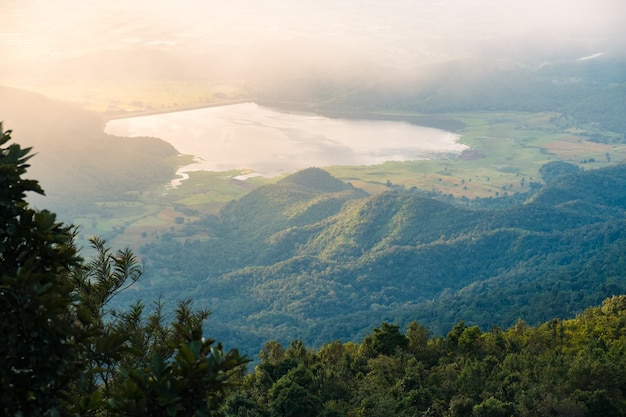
<point>282,36</point>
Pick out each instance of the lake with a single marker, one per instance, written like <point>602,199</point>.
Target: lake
<point>270,142</point>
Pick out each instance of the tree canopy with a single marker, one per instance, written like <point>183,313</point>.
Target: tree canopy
<point>65,351</point>
<point>559,368</point>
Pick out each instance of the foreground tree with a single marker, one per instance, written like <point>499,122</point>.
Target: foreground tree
<point>65,351</point>
<point>137,365</point>
<point>41,324</point>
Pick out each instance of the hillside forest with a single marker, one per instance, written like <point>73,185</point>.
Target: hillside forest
<point>67,352</point>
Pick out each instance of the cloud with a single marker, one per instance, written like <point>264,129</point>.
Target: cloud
<point>246,38</point>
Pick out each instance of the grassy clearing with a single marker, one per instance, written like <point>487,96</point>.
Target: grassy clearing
<point>137,219</point>
<point>506,152</point>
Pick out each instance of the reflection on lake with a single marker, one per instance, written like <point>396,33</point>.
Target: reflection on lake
<point>269,142</point>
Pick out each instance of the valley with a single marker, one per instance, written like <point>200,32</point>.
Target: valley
<point>505,153</point>
<point>284,256</point>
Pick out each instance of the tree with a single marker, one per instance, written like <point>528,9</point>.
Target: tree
<point>492,407</point>
<point>65,351</point>
<point>552,170</point>
<point>384,341</point>
<point>192,380</point>
<point>294,394</point>
<point>139,365</point>
<point>41,323</point>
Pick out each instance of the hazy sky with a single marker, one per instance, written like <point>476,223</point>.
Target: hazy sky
<point>319,35</point>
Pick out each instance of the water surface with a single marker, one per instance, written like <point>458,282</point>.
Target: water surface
<point>270,142</point>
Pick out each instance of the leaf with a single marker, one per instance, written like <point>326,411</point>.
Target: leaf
<point>185,354</point>
<point>158,366</point>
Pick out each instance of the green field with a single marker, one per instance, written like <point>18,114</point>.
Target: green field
<point>137,218</point>
<point>505,153</point>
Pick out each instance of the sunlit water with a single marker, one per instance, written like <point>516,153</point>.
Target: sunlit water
<point>270,142</point>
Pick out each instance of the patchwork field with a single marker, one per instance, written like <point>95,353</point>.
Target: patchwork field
<point>506,152</point>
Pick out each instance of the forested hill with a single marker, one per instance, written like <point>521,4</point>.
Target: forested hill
<point>316,259</point>
<point>68,353</point>
<point>74,159</point>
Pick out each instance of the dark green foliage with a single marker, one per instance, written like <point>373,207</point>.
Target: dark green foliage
<point>191,380</point>
<point>602,187</point>
<point>39,321</point>
<point>282,266</point>
<point>561,367</point>
<point>554,169</point>
<point>40,324</point>
<point>65,350</point>
<point>385,341</point>
<point>139,365</point>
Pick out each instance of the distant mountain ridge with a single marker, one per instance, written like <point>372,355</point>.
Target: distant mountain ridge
<point>74,159</point>
<point>591,91</point>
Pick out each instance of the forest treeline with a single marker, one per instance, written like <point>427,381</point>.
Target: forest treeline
<point>568,368</point>
<point>67,352</point>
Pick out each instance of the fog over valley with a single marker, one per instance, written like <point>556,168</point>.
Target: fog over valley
<point>246,41</point>
<point>427,63</point>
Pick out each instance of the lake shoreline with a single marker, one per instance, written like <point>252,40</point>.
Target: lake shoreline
<point>132,114</point>
<point>271,141</point>
<point>434,121</point>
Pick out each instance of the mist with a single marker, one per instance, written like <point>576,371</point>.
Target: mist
<point>291,41</point>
